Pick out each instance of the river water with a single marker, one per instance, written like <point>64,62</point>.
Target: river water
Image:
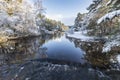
<point>56,57</point>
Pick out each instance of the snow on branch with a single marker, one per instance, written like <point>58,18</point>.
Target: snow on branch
<point>108,46</point>
<point>109,2</point>
<point>108,16</point>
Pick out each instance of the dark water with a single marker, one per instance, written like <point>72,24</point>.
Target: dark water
<point>56,57</point>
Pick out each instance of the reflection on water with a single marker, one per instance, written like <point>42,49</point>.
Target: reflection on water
<point>55,57</point>
<point>63,49</point>
<point>107,63</point>
<point>94,52</point>
<point>15,51</point>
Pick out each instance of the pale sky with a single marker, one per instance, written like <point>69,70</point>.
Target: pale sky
<point>65,10</point>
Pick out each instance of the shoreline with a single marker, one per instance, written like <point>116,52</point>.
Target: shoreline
<point>6,38</point>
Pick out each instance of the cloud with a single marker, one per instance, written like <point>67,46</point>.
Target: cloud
<point>57,17</point>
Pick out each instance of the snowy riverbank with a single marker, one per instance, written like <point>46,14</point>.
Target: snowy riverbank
<point>109,43</point>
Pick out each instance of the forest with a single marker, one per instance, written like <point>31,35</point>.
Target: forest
<point>36,47</point>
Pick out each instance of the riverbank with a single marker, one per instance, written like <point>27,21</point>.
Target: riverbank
<point>6,38</point>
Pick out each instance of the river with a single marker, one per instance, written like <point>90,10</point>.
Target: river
<point>56,57</point>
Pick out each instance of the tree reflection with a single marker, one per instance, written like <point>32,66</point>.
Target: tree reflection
<point>94,53</point>
<point>17,51</point>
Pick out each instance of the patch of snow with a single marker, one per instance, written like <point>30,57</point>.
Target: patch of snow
<point>13,19</point>
<point>118,59</point>
<point>9,31</point>
<point>107,47</point>
<point>80,35</point>
<point>108,2</point>
<point>16,76</point>
<point>6,31</point>
<point>27,78</point>
<point>109,16</point>
<point>98,7</point>
<point>33,30</point>
<point>47,31</point>
<point>22,68</point>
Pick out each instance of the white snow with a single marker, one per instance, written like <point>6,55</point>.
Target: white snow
<point>107,47</point>
<point>22,68</point>
<point>114,41</point>
<point>24,16</point>
<point>47,31</point>
<point>108,2</point>
<point>80,35</point>
<point>109,16</point>
<point>6,31</point>
<point>118,59</point>
<point>98,7</point>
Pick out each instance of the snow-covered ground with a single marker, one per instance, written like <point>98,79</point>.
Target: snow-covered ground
<point>107,47</point>
<point>81,35</point>
<point>114,41</point>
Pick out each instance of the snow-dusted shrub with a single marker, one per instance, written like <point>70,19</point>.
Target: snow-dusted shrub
<point>20,15</point>
<point>109,16</point>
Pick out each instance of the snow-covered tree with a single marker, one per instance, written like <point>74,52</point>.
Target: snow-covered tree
<point>78,23</point>
<point>114,11</point>
<point>78,19</point>
<point>20,15</point>
<point>40,18</point>
<point>94,4</point>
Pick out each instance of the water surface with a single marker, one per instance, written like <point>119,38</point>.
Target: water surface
<point>56,57</point>
<point>62,49</point>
